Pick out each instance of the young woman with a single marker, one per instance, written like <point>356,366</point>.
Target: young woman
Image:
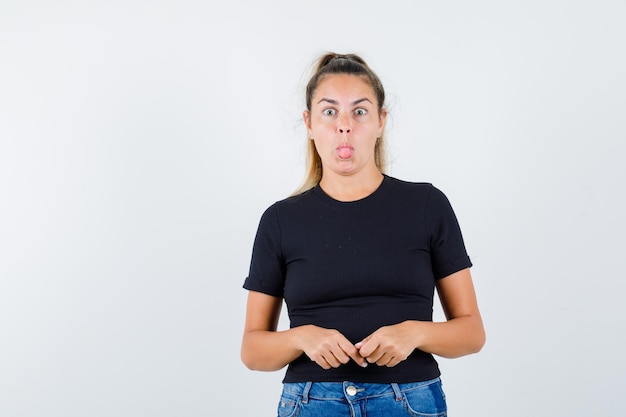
<point>357,255</point>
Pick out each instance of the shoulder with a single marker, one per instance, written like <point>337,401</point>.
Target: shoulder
<point>289,206</point>
<point>406,185</point>
<point>293,202</point>
<point>422,190</point>
<point>419,194</point>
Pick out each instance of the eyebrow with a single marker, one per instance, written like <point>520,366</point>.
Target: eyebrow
<point>354,103</point>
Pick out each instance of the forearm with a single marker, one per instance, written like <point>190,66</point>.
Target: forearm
<point>451,339</point>
<point>263,350</point>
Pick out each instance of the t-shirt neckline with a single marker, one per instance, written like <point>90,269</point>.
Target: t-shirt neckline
<point>374,196</point>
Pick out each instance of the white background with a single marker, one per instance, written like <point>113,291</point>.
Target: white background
<point>140,141</point>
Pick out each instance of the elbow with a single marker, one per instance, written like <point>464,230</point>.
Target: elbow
<point>471,344</point>
<point>478,341</point>
<point>247,363</point>
<point>478,336</point>
<point>254,362</point>
<point>250,364</point>
<point>247,353</point>
<point>257,363</point>
<point>467,347</point>
<point>479,344</point>
<point>248,360</point>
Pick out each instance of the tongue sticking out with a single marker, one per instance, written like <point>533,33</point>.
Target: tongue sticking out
<point>345,152</point>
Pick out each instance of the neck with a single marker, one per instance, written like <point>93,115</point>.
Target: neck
<point>351,188</point>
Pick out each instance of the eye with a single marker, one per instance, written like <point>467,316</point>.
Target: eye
<point>329,112</point>
<point>360,112</point>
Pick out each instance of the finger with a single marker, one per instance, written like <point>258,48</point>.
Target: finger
<point>371,350</point>
<point>331,360</point>
<point>341,355</point>
<point>384,360</point>
<point>319,359</point>
<point>323,363</point>
<point>360,344</point>
<point>324,359</point>
<point>356,357</point>
<point>352,352</point>
<point>375,356</point>
<point>393,362</point>
<point>366,347</point>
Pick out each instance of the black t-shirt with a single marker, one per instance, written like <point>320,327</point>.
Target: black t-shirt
<point>357,266</point>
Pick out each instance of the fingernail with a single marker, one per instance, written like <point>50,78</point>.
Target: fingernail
<point>364,365</point>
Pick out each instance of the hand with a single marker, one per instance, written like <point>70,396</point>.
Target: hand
<point>389,345</point>
<point>327,347</point>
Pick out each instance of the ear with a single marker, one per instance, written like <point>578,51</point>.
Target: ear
<point>382,121</point>
<point>306,115</point>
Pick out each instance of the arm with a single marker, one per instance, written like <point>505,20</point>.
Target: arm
<point>264,348</point>
<point>461,334</point>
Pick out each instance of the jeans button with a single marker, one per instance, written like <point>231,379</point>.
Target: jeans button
<point>351,390</point>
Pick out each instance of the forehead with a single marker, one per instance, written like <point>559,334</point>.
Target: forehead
<point>348,86</point>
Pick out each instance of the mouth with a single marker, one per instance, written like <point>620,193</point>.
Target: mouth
<point>344,152</point>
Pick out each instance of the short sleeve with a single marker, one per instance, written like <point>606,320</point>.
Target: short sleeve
<point>447,249</point>
<point>267,267</point>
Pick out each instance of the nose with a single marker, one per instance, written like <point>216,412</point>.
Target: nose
<point>343,124</point>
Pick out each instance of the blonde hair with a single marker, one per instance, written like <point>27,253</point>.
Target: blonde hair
<point>332,63</point>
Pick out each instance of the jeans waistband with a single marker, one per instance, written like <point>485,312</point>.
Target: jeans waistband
<point>352,390</point>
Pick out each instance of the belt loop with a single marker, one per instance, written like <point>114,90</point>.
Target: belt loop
<point>396,390</point>
<point>305,393</point>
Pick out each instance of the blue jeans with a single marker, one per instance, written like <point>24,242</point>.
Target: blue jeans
<point>339,399</point>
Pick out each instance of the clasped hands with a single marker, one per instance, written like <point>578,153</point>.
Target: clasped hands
<point>387,346</point>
